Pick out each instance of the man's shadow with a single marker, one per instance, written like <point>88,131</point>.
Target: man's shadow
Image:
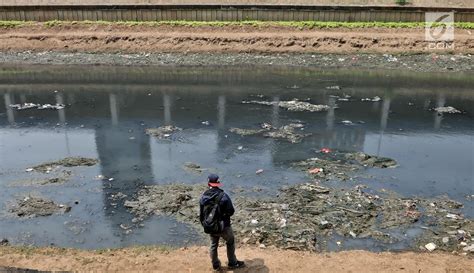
<point>251,266</point>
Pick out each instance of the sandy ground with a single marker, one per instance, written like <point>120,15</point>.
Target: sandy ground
<point>195,259</point>
<point>267,39</point>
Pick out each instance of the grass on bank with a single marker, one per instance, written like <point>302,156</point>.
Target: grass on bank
<point>294,24</point>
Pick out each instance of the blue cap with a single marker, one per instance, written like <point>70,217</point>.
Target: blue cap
<point>213,178</point>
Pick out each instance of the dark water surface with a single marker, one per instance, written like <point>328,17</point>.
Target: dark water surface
<point>108,108</point>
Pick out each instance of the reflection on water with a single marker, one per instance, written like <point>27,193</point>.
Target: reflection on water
<point>108,109</point>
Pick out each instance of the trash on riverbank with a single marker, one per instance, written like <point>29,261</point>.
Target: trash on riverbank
<point>293,105</point>
<point>286,132</point>
<point>66,162</point>
<point>37,206</point>
<point>447,110</point>
<point>163,132</point>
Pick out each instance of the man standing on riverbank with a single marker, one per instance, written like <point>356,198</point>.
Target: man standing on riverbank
<point>216,196</point>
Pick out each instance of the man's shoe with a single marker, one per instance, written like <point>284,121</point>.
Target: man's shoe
<point>238,264</point>
<point>216,267</point>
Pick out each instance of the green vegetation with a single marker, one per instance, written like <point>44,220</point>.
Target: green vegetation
<point>401,2</point>
<point>292,24</point>
<point>11,24</point>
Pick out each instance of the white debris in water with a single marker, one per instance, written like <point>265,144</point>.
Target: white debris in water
<point>29,105</point>
<point>453,216</point>
<point>374,99</point>
<point>430,247</point>
<point>469,248</point>
<point>347,122</point>
<point>447,110</point>
<point>293,105</point>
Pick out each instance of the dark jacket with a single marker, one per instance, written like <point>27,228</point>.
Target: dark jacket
<point>226,207</point>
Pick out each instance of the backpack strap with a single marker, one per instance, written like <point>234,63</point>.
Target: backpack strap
<point>219,197</point>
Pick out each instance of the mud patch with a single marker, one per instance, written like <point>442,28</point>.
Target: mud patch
<point>66,162</point>
<point>31,206</point>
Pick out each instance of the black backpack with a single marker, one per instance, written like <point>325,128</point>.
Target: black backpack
<point>212,222</point>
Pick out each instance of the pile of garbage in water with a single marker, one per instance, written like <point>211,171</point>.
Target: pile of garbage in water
<point>331,165</point>
<point>447,110</point>
<point>305,216</point>
<point>286,132</point>
<point>65,162</point>
<point>292,105</point>
<point>32,206</point>
<point>163,132</point>
<point>29,105</point>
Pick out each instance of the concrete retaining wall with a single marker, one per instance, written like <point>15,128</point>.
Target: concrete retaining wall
<point>192,13</point>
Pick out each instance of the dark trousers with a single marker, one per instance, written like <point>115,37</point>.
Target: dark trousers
<point>228,235</point>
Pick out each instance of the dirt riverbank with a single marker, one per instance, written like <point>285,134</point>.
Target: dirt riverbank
<point>250,39</point>
<point>195,259</point>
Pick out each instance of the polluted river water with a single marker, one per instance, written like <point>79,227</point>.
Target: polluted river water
<point>102,113</point>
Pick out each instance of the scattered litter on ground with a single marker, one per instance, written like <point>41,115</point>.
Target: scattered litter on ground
<point>207,123</point>
<point>163,132</point>
<point>293,105</point>
<point>66,162</point>
<point>447,110</point>
<point>4,242</point>
<point>259,171</point>
<point>334,87</point>
<point>36,206</point>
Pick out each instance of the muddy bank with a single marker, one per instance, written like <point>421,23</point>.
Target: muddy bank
<point>436,62</point>
<point>196,259</point>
